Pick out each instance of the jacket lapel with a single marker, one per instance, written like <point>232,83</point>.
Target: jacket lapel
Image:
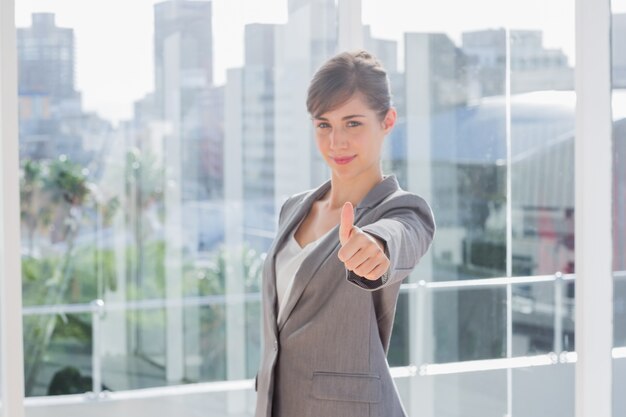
<point>297,214</point>
<point>321,251</point>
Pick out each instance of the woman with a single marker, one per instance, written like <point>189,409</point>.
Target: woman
<point>332,276</point>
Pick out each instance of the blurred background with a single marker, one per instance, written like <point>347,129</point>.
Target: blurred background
<point>158,140</point>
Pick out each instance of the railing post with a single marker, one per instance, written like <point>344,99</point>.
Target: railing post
<point>558,313</point>
<point>97,313</point>
<point>422,386</point>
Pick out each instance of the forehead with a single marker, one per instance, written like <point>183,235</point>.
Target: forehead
<point>356,104</point>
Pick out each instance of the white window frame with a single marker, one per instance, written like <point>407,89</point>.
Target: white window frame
<point>11,350</point>
<point>593,165</point>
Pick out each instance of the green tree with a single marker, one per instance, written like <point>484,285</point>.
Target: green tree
<point>54,194</point>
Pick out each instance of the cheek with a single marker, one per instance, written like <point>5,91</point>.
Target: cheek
<point>361,137</point>
<point>321,142</point>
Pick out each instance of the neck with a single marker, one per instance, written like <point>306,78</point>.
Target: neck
<point>352,189</point>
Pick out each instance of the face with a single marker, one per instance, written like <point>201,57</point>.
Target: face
<point>350,137</point>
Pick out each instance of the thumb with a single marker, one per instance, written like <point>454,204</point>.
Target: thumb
<point>347,221</point>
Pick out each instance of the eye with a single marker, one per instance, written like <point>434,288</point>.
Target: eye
<point>354,123</point>
<point>323,125</point>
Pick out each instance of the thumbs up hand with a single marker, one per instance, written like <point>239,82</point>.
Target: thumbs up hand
<point>362,253</point>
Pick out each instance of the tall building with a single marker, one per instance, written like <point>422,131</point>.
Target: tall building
<point>188,24</point>
<point>533,67</point>
<point>184,99</point>
<point>302,45</point>
<point>394,148</point>
<point>257,124</point>
<point>184,93</point>
<point>384,49</point>
<point>51,119</point>
<point>440,168</point>
<point>46,58</point>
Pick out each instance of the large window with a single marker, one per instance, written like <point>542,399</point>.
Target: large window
<point>158,140</point>
<point>488,111</point>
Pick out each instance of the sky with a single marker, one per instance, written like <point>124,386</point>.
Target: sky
<point>114,38</point>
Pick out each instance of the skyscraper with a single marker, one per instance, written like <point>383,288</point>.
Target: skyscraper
<point>191,20</point>
<point>47,94</point>
<point>46,58</point>
<point>307,40</point>
<point>533,67</point>
<point>257,133</point>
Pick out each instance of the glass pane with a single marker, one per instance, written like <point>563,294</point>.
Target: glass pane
<point>533,318</point>
<point>450,141</point>
<point>124,164</point>
<point>400,346</point>
<point>619,381</point>
<point>476,394</point>
<point>542,145</point>
<point>542,170</point>
<point>544,391</point>
<point>619,306</point>
<point>468,324</point>
<point>154,160</point>
<point>58,353</point>
<point>539,327</point>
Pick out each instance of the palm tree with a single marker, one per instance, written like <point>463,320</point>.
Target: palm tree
<point>66,190</point>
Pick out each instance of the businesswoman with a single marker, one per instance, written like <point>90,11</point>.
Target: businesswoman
<point>332,275</point>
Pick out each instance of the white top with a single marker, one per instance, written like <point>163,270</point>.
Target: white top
<point>288,261</point>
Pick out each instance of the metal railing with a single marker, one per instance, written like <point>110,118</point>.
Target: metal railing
<point>98,309</point>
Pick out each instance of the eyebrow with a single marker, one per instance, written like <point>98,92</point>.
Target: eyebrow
<point>343,118</point>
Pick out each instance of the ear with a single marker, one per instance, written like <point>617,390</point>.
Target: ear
<point>390,120</point>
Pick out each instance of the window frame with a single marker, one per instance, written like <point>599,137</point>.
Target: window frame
<point>593,179</point>
<point>11,349</point>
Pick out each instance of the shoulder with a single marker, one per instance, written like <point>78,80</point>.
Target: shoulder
<point>292,201</point>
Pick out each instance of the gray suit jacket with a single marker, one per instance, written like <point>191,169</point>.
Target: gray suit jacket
<point>328,355</point>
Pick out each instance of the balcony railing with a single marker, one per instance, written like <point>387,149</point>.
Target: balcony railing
<point>562,307</point>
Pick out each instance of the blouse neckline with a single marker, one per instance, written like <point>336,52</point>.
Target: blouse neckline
<point>297,245</point>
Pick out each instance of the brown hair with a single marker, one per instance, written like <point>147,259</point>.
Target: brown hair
<point>343,75</point>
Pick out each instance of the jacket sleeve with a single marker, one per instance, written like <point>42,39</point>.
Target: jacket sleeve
<point>407,229</point>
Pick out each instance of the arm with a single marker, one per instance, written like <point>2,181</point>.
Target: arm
<point>406,231</point>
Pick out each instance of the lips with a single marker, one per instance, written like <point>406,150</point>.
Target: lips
<point>344,160</point>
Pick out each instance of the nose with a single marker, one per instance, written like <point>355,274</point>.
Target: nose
<point>337,139</point>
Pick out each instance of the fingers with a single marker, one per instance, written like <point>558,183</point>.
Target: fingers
<point>372,268</point>
<point>360,256</point>
<point>375,273</point>
<point>347,222</point>
<point>363,256</point>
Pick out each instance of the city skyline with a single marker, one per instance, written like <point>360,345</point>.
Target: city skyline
<point>197,179</point>
<point>112,79</point>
